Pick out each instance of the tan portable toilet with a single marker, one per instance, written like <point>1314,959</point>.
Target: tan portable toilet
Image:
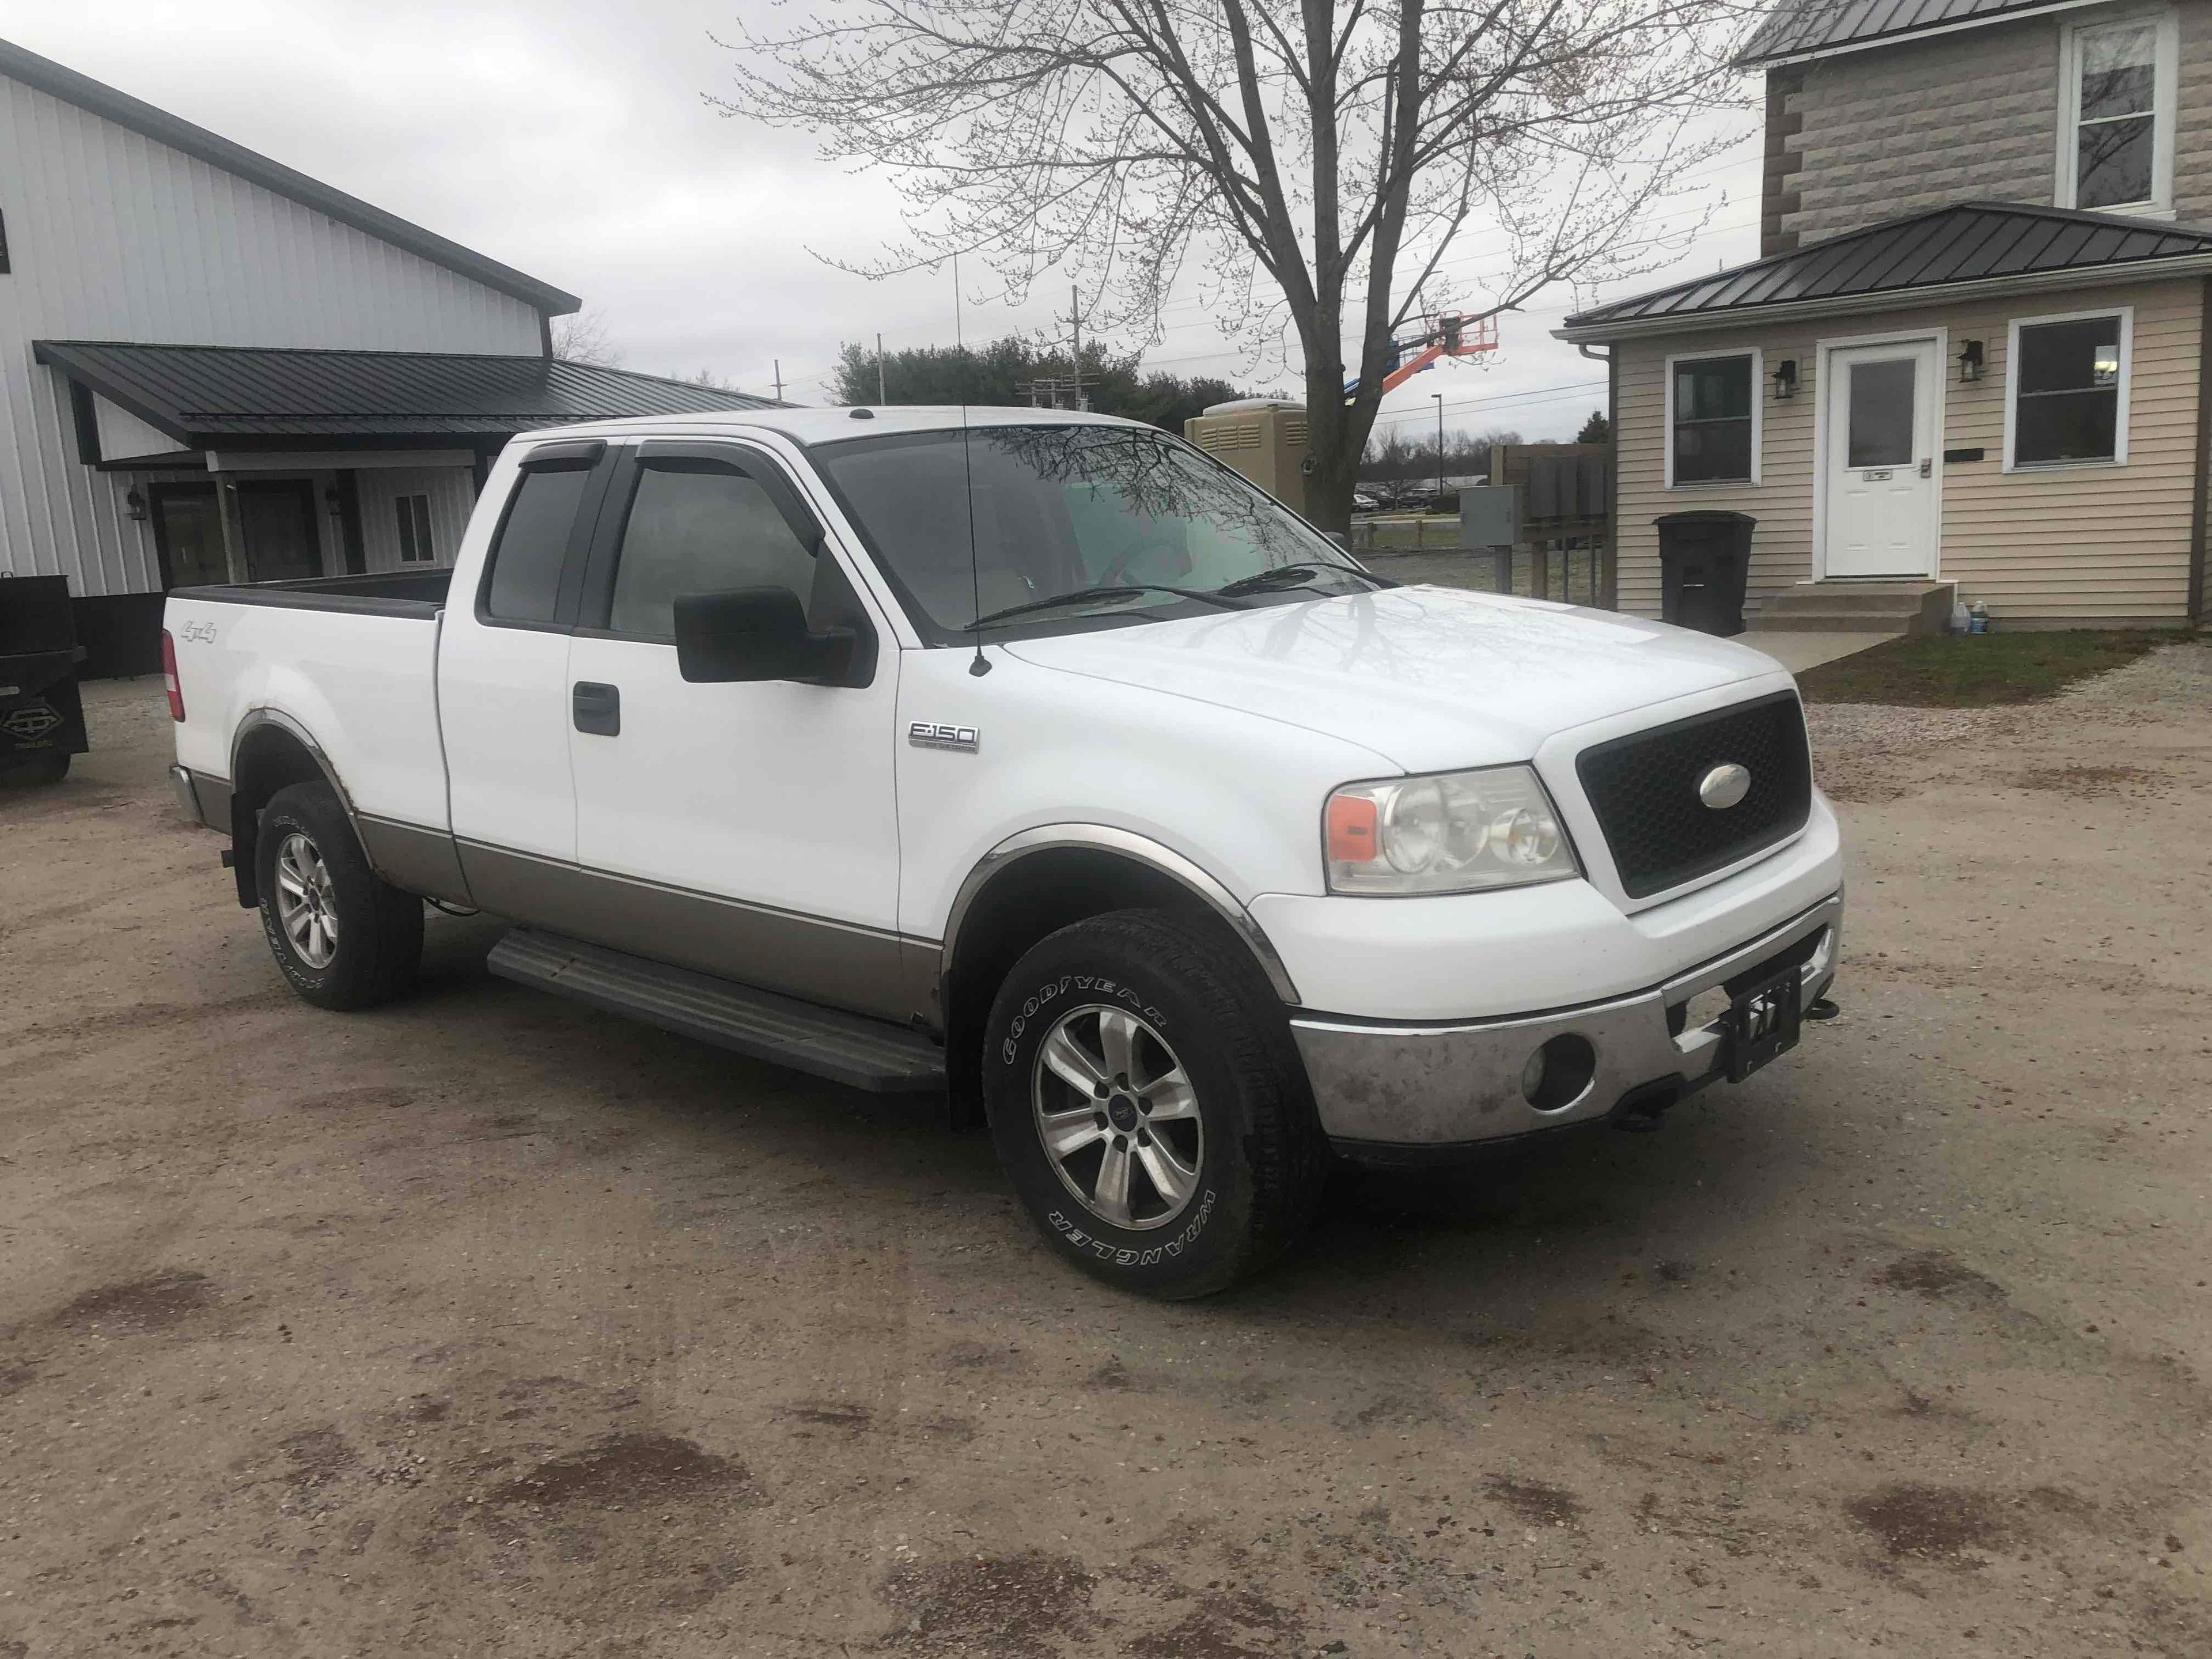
<point>1262,438</point>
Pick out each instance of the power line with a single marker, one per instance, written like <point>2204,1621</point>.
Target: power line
<point>1146,361</point>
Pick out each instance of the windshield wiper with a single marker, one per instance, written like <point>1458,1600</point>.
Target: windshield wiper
<point>1296,575</point>
<point>1109,591</point>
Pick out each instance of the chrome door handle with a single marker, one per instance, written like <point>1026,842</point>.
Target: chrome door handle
<point>596,708</point>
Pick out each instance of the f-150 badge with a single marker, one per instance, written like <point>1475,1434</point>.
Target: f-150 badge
<point>935,734</point>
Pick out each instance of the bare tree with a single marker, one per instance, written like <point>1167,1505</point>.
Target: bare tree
<point>1316,159</point>
<point>584,337</point>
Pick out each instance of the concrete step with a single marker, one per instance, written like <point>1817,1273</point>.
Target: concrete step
<point>1844,606</point>
<point>1840,623</point>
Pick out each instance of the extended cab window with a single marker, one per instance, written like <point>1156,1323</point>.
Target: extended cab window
<point>534,544</point>
<point>698,528</point>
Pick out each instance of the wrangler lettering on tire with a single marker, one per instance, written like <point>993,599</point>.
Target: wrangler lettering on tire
<point>1147,1104</point>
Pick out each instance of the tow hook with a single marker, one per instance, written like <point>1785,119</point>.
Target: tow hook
<point>1641,1110</point>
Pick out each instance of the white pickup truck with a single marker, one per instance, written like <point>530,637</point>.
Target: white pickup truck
<point>1039,758</point>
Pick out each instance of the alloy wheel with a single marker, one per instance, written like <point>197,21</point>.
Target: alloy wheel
<point>306,909</point>
<point>1118,1117</point>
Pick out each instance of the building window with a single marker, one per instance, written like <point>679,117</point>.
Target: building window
<point>2116,125</point>
<point>415,530</point>
<point>1712,419</point>
<point>2068,377</point>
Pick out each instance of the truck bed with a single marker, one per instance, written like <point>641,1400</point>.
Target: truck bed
<point>349,662</point>
<point>395,593</point>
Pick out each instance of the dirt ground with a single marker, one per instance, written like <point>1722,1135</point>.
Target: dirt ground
<point>489,1324</point>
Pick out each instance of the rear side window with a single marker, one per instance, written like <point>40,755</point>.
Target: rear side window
<point>698,530</point>
<point>533,542</point>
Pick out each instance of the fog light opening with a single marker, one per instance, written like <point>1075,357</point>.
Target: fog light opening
<point>1558,1074</point>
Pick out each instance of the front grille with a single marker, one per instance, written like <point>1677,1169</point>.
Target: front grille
<point>1644,788</point>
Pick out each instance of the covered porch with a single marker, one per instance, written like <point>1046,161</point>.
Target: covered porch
<point>257,464</point>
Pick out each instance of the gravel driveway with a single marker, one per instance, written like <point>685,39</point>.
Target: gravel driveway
<point>487,1323</point>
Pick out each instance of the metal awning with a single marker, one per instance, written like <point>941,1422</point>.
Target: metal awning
<point>1944,253</point>
<point>1816,29</point>
<point>251,398</point>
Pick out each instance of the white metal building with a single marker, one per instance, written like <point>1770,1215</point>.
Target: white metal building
<point>351,374</point>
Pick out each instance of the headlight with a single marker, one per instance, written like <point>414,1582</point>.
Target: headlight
<point>1458,832</point>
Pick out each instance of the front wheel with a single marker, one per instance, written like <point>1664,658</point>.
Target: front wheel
<point>1148,1105</point>
<point>345,938</point>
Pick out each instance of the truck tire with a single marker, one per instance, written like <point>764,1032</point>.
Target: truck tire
<point>1148,1106</point>
<point>343,937</point>
<point>48,767</point>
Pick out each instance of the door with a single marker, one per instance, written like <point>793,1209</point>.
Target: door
<point>276,524</point>
<point>1884,413</point>
<point>188,535</point>
<point>747,829</point>
<point>503,683</point>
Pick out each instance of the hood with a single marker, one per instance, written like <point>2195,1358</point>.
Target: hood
<point>1430,678</point>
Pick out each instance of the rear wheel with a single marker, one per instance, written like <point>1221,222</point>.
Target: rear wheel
<point>344,937</point>
<point>1148,1105</point>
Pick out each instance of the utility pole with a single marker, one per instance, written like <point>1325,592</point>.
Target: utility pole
<point>1439,397</point>
<point>779,387</point>
<point>1075,323</point>
<point>882,396</point>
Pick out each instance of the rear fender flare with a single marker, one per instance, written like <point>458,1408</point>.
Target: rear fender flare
<point>246,811</point>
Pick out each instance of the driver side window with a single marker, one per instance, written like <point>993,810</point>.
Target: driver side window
<point>700,530</point>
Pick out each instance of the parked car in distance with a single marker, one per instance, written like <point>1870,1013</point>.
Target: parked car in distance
<point>1039,758</point>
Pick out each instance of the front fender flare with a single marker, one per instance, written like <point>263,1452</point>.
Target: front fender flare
<point>1140,849</point>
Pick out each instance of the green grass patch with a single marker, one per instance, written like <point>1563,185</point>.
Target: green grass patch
<point>1979,670</point>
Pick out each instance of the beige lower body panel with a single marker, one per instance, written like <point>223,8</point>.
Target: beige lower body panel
<point>830,963</point>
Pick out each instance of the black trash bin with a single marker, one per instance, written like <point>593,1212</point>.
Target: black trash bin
<point>1704,558</point>
<point>41,719</point>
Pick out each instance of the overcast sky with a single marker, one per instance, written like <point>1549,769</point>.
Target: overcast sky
<point>573,141</point>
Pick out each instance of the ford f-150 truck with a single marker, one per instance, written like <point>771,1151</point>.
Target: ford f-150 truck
<point>1041,759</point>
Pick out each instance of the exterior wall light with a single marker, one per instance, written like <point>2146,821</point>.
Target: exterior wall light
<point>134,506</point>
<point>1786,380</point>
<point>1970,363</point>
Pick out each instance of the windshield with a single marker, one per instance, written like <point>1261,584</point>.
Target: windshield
<point>1062,509</point>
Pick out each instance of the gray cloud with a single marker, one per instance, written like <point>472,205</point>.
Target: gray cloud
<point>574,141</point>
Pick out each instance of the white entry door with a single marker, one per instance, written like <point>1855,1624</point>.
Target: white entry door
<point>1884,413</point>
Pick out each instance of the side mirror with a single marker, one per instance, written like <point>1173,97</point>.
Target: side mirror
<point>755,634</point>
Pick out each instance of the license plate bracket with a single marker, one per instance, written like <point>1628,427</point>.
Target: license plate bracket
<point>1764,1022</point>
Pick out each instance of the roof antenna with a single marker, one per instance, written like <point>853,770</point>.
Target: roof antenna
<point>981,665</point>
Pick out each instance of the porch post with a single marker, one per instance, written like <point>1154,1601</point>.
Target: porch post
<point>356,556</point>
<point>233,534</point>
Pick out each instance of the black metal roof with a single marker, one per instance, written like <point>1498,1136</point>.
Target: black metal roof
<point>60,81</point>
<point>1966,242</point>
<point>1811,28</point>
<point>258,398</point>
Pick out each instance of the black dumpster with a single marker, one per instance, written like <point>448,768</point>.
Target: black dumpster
<point>1702,559</point>
<point>41,721</point>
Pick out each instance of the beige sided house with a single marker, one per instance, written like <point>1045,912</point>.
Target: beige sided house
<point>1973,361</point>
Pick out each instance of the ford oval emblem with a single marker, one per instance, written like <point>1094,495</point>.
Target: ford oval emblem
<point>1724,785</point>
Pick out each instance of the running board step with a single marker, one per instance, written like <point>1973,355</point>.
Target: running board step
<point>848,1048</point>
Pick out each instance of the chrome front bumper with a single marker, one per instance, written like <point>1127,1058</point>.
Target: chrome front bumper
<point>1386,1091</point>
